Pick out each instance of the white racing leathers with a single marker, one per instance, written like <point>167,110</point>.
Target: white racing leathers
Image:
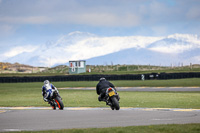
<point>47,91</point>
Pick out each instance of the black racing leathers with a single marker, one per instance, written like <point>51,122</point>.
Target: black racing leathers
<point>102,86</point>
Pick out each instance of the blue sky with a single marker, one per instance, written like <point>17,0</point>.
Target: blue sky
<point>35,22</point>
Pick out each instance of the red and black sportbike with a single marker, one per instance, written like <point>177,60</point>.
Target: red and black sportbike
<point>56,100</point>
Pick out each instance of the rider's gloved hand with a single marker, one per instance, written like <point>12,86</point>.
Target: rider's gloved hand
<point>46,100</point>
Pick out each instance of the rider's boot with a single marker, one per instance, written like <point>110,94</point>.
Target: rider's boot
<point>99,98</point>
<point>53,105</point>
<point>108,103</point>
<point>118,96</point>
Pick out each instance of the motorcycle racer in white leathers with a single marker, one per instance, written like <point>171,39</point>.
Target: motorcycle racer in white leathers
<point>47,91</point>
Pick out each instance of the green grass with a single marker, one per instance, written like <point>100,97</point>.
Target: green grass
<point>136,83</point>
<point>88,98</point>
<point>159,83</point>
<point>29,94</point>
<point>171,128</point>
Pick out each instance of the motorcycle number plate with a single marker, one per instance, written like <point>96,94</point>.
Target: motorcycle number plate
<point>111,93</point>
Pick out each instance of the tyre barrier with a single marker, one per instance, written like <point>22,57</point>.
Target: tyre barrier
<point>151,76</point>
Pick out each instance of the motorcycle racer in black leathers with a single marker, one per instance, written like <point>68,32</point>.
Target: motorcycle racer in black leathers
<point>101,88</point>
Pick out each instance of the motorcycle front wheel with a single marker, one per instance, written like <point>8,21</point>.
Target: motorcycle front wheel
<point>115,103</point>
<point>59,103</point>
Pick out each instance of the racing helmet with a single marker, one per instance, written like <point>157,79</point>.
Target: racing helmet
<point>102,79</point>
<point>46,82</point>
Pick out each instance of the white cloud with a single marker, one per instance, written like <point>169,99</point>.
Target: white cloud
<point>98,46</point>
<point>88,47</point>
<point>180,43</point>
<point>78,46</point>
<point>18,50</point>
<point>173,49</point>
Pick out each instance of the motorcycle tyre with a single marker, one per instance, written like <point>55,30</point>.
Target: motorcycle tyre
<point>115,103</point>
<point>59,103</point>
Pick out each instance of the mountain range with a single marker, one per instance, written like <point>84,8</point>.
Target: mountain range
<point>98,50</point>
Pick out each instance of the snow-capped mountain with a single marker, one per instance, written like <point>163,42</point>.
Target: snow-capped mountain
<point>119,50</point>
<point>176,44</point>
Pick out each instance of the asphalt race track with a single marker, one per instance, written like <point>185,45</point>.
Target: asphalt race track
<point>44,118</point>
<point>47,119</point>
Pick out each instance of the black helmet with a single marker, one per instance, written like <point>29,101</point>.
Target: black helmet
<point>102,79</point>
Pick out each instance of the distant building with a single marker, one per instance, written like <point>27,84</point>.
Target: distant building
<point>76,67</point>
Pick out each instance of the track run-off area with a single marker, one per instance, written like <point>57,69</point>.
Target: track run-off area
<point>4,109</point>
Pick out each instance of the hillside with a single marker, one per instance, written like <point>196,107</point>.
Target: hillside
<point>6,67</point>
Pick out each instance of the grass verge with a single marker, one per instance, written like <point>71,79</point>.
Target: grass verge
<point>136,83</point>
<point>29,94</point>
<point>171,128</point>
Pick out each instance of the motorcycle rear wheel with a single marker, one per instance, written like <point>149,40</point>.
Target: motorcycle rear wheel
<point>59,103</point>
<point>115,103</point>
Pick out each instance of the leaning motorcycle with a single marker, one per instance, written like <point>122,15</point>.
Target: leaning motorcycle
<point>112,98</point>
<point>55,100</point>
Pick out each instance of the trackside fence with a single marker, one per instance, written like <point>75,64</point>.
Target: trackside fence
<point>151,76</point>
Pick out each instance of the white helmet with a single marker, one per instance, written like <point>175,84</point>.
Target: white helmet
<point>46,82</point>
